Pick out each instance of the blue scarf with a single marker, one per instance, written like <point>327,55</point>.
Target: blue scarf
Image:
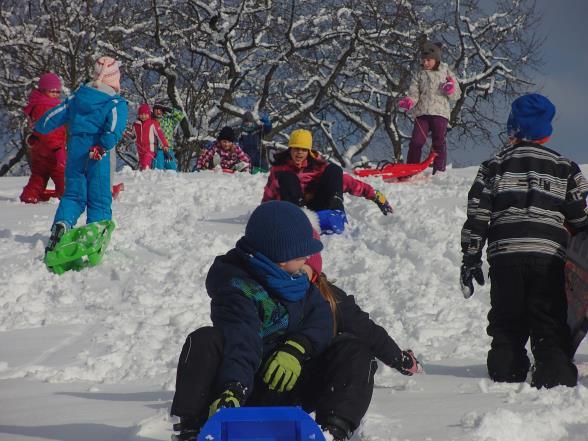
<point>290,287</point>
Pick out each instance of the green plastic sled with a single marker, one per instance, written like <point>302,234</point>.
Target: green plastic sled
<point>80,247</point>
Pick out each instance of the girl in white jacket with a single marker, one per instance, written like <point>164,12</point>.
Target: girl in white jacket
<point>428,99</point>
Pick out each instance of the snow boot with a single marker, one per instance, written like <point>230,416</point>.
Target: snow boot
<point>57,231</point>
<point>339,428</point>
<point>29,199</point>
<point>336,202</point>
<point>554,371</point>
<point>507,364</point>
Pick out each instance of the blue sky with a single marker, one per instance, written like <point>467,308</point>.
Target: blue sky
<point>562,78</point>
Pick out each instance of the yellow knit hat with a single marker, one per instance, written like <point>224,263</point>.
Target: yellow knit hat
<point>300,139</point>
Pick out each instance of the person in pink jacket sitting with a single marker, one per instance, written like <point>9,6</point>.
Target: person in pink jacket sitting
<point>224,153</point>
<point>147,134</point>
<point>301,176</point>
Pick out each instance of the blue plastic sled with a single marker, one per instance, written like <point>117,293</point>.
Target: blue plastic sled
<point>261,424</point>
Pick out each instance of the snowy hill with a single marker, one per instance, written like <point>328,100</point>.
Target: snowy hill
<point>91,355</point>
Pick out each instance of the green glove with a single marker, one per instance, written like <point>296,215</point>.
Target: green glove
<point>233,396</point>
<point>283,368</point>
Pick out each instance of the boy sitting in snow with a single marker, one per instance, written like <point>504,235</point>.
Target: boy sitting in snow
<point>268,320</point>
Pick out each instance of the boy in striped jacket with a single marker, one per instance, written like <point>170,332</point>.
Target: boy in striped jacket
<point>521,201</point>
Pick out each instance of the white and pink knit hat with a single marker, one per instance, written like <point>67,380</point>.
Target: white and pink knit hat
<point>106,71</point>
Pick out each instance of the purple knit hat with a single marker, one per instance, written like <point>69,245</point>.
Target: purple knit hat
<point>49,81</point>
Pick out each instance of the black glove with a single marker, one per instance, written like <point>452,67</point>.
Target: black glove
<point>232,396</point>
<point>409,365</point>
<point>468,272</point>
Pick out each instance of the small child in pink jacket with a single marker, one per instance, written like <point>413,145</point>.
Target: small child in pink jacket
<point>224,153</point>
<point>147,132</point>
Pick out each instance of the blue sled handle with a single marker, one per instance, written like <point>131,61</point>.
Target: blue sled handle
<point>261,424</point>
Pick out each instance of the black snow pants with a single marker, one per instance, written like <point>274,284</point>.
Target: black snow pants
<point>327,192</point>
<point>528,300</point>
<point>339,382</point>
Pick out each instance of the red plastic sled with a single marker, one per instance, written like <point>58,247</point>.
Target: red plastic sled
<point>395,171</point>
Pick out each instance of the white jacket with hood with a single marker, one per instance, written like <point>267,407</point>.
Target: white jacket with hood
<point>426,93</point>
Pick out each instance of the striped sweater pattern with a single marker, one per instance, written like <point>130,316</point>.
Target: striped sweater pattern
<point>521,202</point>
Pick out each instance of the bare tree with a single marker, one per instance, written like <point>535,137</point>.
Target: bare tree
<point>335,66</point>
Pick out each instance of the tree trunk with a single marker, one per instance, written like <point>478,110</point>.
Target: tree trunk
<point>15,160</point>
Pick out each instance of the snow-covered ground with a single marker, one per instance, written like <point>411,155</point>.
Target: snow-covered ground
<point>91,355</point>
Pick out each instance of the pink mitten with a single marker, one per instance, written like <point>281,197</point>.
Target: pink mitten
<point>405,103</point>
<point>409,365</point>
<point>449,86</point>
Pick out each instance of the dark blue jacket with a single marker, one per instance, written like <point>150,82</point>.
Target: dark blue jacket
<point>254,323</point>
<point>250,142</point>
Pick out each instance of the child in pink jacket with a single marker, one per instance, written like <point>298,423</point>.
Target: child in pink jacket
<point>47,152</point>
<point>224,153</point>
<point>147,132</point>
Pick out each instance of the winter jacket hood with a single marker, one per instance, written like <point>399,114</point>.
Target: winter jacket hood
<point>38,98</point>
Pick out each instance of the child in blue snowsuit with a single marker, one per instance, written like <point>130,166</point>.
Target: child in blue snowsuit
<point>252,133</point>
<point>96,116</point>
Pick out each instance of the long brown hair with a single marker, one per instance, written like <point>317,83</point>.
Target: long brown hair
<point>324,287</point>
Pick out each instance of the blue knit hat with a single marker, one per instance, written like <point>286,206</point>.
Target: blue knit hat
<point>530,117</point>
<point>281,231</point>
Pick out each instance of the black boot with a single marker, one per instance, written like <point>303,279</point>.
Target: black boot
<point>336,202</point>
<point>339,428</point>
<point>554,372</point>
<point>57,231</point>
